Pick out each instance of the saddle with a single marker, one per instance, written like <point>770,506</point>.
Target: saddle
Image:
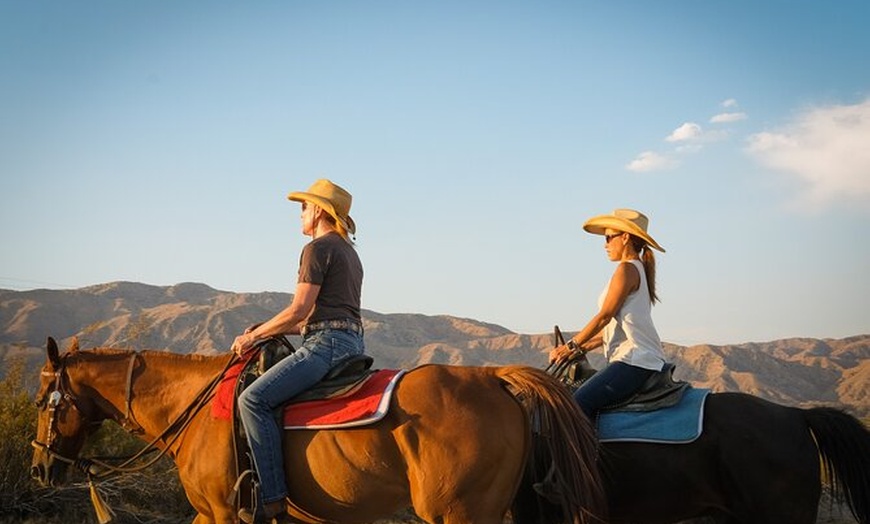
<point>659,391</point>
<point>342,378</point>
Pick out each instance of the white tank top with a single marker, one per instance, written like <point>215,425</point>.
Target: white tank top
<point>631,337</point>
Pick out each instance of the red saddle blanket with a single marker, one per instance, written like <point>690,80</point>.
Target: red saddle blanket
<point>365,404</point>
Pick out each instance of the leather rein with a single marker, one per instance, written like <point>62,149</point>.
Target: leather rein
<point>558,369</point>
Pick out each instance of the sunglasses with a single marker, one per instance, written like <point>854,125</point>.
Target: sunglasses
<point>608,238</point>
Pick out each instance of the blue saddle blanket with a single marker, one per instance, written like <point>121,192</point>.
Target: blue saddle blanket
<point>677,424</point>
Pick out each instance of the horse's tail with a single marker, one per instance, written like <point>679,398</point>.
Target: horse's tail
<point>844,445</point>
<point>563,462</point>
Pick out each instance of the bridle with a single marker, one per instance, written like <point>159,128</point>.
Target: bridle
<point>58,396</point>
<point>97,468</point>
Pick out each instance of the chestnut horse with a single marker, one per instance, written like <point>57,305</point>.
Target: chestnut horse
<point>456,444</point>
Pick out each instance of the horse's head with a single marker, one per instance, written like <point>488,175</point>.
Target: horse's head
<point>66,416</point>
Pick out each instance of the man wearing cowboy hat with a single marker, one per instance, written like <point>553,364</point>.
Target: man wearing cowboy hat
<point>326,311</point>
<point>623,325</point>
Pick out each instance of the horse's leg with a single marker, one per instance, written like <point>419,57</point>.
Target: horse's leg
<point>205,468</point>
<point>465,448</point>
<point>480,499</point>
<point>355,475</point>
<point>471,485</point>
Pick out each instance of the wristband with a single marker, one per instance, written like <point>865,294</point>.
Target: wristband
<point>572,345</point>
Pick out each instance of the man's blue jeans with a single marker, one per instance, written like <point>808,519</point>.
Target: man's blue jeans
<point>320,351</point>
<point>609,386</point>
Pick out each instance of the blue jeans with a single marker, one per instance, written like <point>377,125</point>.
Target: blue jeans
<point>609,386</point>
<point>320,351</point>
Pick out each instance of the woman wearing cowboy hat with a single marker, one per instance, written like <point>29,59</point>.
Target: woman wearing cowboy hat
<point>623,325</point>
<point>326,311</point>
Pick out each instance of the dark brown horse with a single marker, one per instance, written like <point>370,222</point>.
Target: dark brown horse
<point>456,443</point>
<point>755,462</point>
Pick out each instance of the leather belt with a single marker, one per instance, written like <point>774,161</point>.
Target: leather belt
<point>341,323</point>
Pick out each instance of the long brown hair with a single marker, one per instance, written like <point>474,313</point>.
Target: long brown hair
<point>649,266</point>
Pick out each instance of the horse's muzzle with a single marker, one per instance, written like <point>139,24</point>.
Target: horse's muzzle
<point>49,475</point>
<point>46,470</point>
<point>37,473</point>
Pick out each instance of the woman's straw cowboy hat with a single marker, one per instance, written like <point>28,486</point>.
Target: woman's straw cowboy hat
<point>331,198</point>
<point>626,220</point>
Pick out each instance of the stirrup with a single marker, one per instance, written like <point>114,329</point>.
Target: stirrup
<point>246,516</point>
<point>249,517</point>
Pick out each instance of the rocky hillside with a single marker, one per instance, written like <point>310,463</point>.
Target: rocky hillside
<point>194,318</point>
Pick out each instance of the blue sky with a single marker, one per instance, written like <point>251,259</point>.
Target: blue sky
<point>156,142</point>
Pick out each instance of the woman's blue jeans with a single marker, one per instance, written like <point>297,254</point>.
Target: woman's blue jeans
<point>320,352</point>
<point>609,386</point>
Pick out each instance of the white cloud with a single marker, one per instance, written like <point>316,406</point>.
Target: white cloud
<point>827,149</point>
<point>722,118</point>
<point>650,161</point>
<point>687,131</point>
<point>689,138</point>
<point>729,103</point>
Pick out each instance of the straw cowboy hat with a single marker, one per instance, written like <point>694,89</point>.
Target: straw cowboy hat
<point>625,220</point>
<point>331,198</point>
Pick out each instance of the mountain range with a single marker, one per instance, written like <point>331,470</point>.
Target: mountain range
<point>195,318</point>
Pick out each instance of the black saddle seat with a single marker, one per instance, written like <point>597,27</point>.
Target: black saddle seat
<point>339,380</point>
<point>659,391</point>
<point>353,366</point>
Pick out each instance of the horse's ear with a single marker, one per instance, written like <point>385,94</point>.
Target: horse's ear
<point>73,345</point>
<point>51,350</point>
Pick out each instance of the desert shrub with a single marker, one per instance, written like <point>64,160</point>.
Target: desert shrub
<point>17,429</point>
<point>151,496</point>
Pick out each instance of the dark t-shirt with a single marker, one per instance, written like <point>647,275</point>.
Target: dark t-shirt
<point>332,263</point>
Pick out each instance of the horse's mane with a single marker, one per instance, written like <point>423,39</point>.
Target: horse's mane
<point>104,351</point>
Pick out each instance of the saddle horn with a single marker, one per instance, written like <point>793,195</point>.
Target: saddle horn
<point>558,339</point>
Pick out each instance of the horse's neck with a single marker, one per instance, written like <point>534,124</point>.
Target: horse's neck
<point>159,387</point>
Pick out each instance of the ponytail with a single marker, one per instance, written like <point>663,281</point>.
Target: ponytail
<point>649,266</point>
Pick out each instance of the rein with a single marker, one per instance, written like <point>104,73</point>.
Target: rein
<point>97,469</point>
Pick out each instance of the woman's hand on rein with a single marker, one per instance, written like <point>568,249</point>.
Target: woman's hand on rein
<point>560,353</point>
